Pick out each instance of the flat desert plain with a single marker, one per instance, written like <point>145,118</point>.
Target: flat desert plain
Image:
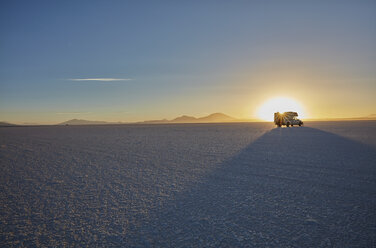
<point>189,185</point>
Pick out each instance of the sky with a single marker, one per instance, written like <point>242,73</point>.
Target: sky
<point>142,60</point>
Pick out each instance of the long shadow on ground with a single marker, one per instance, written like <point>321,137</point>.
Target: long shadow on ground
<point>297,187</point>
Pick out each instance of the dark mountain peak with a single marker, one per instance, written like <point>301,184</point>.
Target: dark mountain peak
<point>6,124</point>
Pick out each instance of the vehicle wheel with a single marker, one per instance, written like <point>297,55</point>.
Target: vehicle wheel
<point>292,125</point>
<point>288,124</point>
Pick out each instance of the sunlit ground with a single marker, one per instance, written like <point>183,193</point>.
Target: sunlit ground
<point>279,104</point>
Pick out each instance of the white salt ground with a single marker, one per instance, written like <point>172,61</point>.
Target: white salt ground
<point>196,185</point>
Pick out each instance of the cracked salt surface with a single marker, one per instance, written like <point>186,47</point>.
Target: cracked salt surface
<point>196,185</point>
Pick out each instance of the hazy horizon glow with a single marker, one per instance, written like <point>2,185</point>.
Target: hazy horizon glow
<point>133,61</point>
<point>279,104</point>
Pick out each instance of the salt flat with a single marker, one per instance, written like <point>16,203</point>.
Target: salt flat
<point>189,185</point>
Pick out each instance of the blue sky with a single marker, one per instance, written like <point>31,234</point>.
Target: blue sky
<point>184,57</point>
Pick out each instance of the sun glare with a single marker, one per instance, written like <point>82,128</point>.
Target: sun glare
<point>279,104</point>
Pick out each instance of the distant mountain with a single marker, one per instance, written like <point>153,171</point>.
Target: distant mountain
<point>212,118</point>
<point>6,124</point>
<point>84,122</point>
<point>184,119</point>
<point>373,116</point>
<point>216,117</point>
<point>154,121</point>
<point>30,123</point>
<point>368,117</point>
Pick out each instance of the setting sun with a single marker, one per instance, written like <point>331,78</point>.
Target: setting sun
<point>279,104</point>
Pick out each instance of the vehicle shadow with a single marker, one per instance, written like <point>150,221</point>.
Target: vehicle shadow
<point>292,187</point>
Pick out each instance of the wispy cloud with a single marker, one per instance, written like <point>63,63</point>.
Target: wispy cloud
<point>72,113</point>
<point>100,79</point>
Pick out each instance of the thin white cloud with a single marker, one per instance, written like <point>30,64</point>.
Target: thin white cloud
<point>100,79</point>
<point>72,113</point>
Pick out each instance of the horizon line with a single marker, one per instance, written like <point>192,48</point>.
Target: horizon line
<point>165,121</point>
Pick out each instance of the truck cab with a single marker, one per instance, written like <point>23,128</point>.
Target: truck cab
<point>287,118</point>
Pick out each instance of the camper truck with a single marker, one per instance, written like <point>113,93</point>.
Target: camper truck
<point>287,118</point>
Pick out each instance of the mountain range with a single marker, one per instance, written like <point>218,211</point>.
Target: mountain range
<point>6,124</point>
<point>84,122</point>
<point>216,117</point>
<point>212,118</point>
